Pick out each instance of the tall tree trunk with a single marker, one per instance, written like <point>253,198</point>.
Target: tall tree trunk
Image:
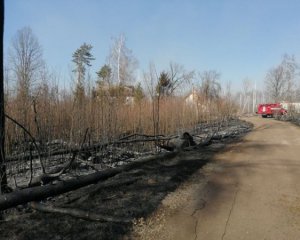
<point>3,179</point>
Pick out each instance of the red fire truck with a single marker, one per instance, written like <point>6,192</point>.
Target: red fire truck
<point>270,109</point>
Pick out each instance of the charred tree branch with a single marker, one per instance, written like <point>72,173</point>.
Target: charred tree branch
<point>87,148</point>
<point>78,213</point>
<point>32,138</point>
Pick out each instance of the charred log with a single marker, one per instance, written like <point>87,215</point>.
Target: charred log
<point>41,192</point>
<point>179,143</point>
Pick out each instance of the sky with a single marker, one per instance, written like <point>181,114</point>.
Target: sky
<point>240,39</point>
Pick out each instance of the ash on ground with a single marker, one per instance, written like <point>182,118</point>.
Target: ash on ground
<point>132,194</point>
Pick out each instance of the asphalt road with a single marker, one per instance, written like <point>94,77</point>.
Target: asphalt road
<point>249,191</point>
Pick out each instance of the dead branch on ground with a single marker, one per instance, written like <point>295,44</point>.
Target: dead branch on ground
<point>32,138</point>
<point>88,148</point>
<point>78,213</point>
<point>46,178</point>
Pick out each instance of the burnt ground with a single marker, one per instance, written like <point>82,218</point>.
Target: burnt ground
<point>248,191</point>
<point>129,195</point>
<point>292,117</point>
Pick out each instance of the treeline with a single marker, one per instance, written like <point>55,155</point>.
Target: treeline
<point>281,84</point>
<point>110,107</point>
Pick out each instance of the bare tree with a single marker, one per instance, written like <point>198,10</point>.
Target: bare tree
<point>246,94</point>
<point>280,80</point>
<point>173,79</point>
<point>291,73</point>
<point>25,58</point>
<point>26,61</point>
<point>178,76</point>
<point>151,80</point>
<point>275,83</point>
<point>164,84</point>
<point>210,86</point>
<point>121,61</point>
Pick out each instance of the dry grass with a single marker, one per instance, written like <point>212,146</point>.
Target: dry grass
<point>53,115</point>
<point>61,117</point>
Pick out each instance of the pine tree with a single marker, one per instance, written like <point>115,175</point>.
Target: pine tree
<point>82,58</point>
<point>104,75</point>
<point>164,84</point>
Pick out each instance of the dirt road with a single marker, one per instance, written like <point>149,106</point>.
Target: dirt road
<point>249,191</point>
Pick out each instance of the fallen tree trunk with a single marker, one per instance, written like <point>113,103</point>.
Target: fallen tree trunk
<point>78,213</point>
<point>41,192</point>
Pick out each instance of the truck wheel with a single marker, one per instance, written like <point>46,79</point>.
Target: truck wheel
<point>264,116</point>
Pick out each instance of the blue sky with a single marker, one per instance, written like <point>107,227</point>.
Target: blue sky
<point>240,39</point>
